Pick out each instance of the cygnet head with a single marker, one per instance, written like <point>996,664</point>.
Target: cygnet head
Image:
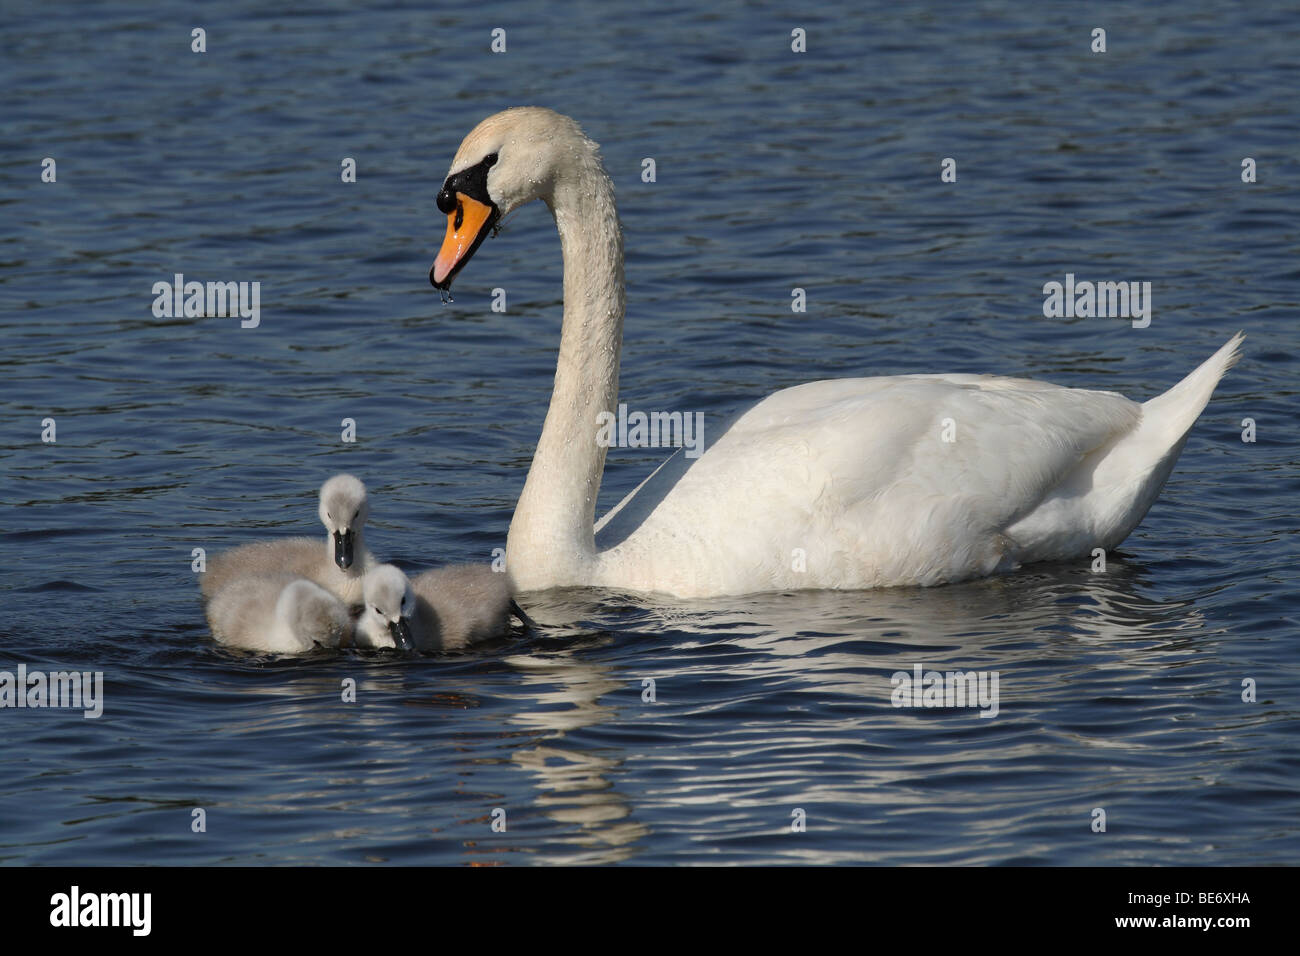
<point>390,605</point>
<point>343,510</point>
<point>311,615</point>
<point>509,159</point>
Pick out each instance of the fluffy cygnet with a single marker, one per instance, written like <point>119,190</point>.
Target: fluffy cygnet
<point>441,610</point>
<point>338,567</point>
<point>278,614</point>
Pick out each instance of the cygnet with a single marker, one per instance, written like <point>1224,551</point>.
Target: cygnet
<point>339,566</point>
<point>441,610</point>
<point>278,614</point>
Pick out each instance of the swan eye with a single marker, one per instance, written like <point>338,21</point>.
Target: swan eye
<point>490,159</point>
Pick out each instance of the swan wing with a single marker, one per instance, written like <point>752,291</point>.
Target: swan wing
<point>869,482</point>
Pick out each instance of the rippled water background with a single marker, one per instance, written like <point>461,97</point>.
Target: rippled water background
<point>1118,690</point>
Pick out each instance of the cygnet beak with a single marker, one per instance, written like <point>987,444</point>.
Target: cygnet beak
<point>401,631</point>
<point>343,541</point>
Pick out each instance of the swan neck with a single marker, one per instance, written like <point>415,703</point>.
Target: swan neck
<point>551,539</point>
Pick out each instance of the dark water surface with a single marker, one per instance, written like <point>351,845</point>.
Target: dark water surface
<point>1119,690</point>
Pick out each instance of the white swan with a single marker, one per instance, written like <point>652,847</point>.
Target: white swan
<point>338,565</point>
<point>445,609</point>
<point>278,614</point>
<point>847,483</point>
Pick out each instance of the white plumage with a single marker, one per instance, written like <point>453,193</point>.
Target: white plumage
<point>848,483</point>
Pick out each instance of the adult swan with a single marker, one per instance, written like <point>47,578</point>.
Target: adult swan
<point>849,483</point>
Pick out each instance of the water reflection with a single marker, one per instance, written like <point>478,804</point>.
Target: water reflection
<point>996,613</point>
<point>1032,626</point>
<point>574,784</point>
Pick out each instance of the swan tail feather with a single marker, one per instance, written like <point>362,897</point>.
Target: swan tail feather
<point>1133,472</point>
<point>1176,410</point>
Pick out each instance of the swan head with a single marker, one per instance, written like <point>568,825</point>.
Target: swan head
<point>509,159</point>
<point>389,606</point>
<point>343,510</point>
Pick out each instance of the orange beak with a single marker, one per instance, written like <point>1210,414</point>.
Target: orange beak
<point>467,227</point>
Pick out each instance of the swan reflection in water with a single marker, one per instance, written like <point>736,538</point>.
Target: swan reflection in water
<point>776,657</point>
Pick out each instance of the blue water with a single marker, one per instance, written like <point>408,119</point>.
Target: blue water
<point>1119,690</point>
